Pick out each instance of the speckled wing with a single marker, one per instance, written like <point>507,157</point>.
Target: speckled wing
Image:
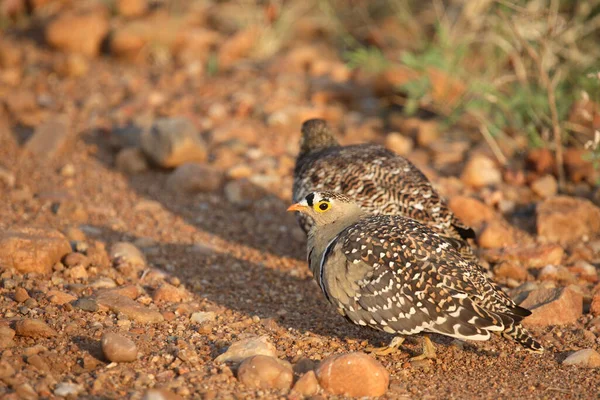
<point>380,181</point>
<point>396,275</point>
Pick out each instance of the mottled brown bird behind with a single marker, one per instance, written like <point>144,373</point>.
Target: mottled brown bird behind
<point>380,181</point>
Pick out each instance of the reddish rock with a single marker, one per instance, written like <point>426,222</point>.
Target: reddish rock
<point>78,32</point>
<point>579,167</point>
<point>556,273</point>
<point>21,295</point>
<point>586,358</point>
<point>472,212</point>
<point>170,293</point>
<point>481,171</point>
<point>595,305</point>
<point>264,372</point>
<point>195,178</point>
<point>530,256</point>
<point>510,270</point>
<point>566,219</point>
<point>546,186</point>
<point>307,385</point>
<point>132,8</point>
<point>30,249</point>
<point>33,328</point>
<point>132,309</point>
<point>497,234</point>
<point>353,374</point>
<point>558,306</point>
<point>238,46</point>
<point>541,160</point>
<point>399,143</point>
<point>243,349</point>
<point>49,138</point>
<point>58,297</point>
<point>6,337</point>
<point>118,348</point>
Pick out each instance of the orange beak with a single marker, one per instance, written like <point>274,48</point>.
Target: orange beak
<point>296,207</point>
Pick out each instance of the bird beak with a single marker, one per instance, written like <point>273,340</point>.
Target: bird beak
<point>297,207</point>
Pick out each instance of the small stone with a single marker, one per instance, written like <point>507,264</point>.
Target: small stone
<point>171,142</point>
<point>127,253</point>
<point>86,304</point>
<point>78,33</point>
<point>24,391</point>
<point>130,308</point>
<point>242,192</point>
<point>21,295</point>
<point>481,171</point>
<point>353,374</point>
<point>586,358</point>
<point>132,8</point>
<point>118,348</point>
<point>243,349</point>
<point>38,362</point>
<point>32,249</point>
<point>240,171</point>
<point>161,394</point>
<point>6,370</point>
<point>131,160</point>
<point>307,385</point>
<point>510,270</point>
<point>541,160</point>
<point>195,178</point>
<point>564,219</point>
<point>77,273</point>
<point>529,256</point>
<point>472,212</point>
<point>76,259</point>
<point>558,306</point>
<point>202,317</point>
<point>546,186</point>
<point>170,293</point>
<point>7,177</point>
<point>65,389</point>
<point>33,328</point>
<point>497,234</point>
<point>556,273</point>
<point>58,297</point>
<point>399,143</point>
<point>49,138</point>
<point>6,336</point>
<point>595,305</point>
<point>264,372</point>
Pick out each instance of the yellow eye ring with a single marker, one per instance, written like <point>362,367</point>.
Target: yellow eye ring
<point>322,206</point>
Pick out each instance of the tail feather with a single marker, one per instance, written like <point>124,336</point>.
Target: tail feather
<point>519,334</point>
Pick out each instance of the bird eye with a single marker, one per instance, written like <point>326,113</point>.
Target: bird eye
<point>322,206</point>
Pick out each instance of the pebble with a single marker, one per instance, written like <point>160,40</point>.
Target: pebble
<point>202,317</point>
<point>171,142</point>
<point>29,249</point>
<point>75,260</point>
<point>169,293</point>
<point>160,394</point>
<point>586,358</point>
<point>510,270</point>
<point>7,177</point>
<point>472,212</point>
<point>195,178</point>
<point>126,253</point>
<point>65,389</point>
<point>481,171</point>
<point>6,370</point>
<point>132,8</point>
<point>307,385</point>
<point>86,304</point>
<point>77,273</point>
<point>243,349</point>
<point>49,138</point>
<point>546,186</point>
<point>528,256</point>
<point>118,348</point>
<point>497,234</point>
<point>33,328</point>
<point>399,143</point>
<point>80,33</point>
<point>21,295</point>
<point>242,192</point>
<point>58,297</point>
<point>565,219</point>
<point>264,372</point>
<point>128,307</point>
<point>556,273</point>
<point>38,362</point>
<point>557,306</point>
<point>131,160</point>
<point>353,374</point>
<point>6,337</point>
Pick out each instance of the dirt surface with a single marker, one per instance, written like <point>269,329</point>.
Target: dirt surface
<point>244,261</point>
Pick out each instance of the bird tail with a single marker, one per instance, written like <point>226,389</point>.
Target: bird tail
<point>519,334</point>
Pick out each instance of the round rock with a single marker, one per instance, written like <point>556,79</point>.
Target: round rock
<point>264,372</point>
<point>118,348</point>
<point>353,374</point>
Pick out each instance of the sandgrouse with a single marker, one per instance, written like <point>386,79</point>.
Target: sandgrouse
<point>397,275</point>
<point>379,180</point>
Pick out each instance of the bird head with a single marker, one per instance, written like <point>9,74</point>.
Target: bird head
<point>316,136</point>
<point>327,207</point>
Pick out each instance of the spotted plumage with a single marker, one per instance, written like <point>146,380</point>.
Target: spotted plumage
<point>379,180</point>
<point>397,275</point>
